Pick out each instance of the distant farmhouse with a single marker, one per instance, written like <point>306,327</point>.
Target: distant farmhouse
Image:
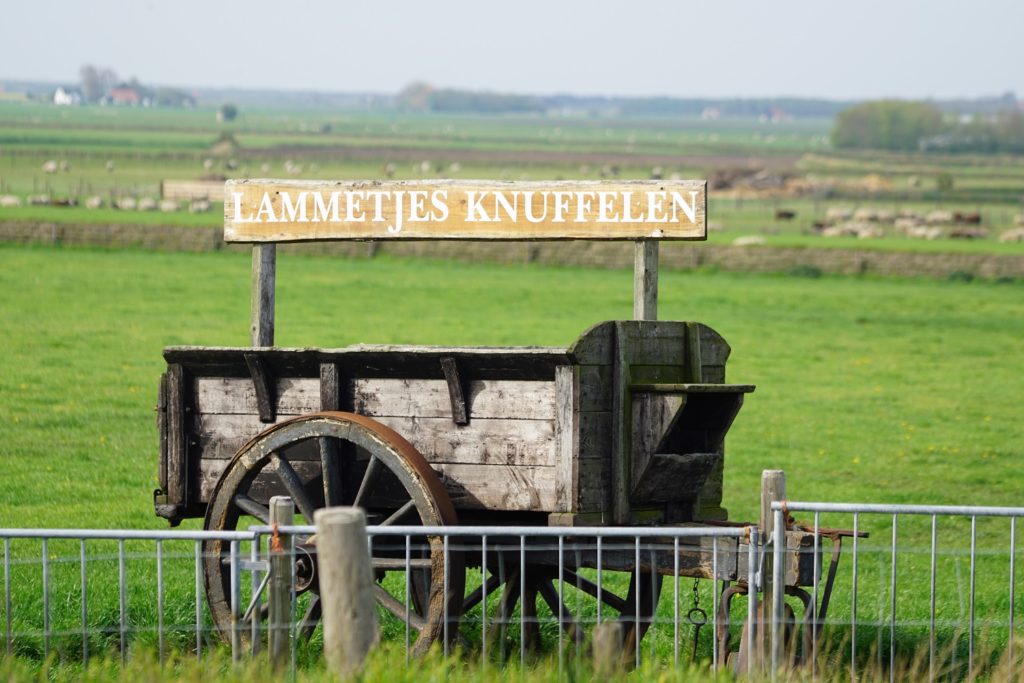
<point>67,97</point>
<point>123,95</point>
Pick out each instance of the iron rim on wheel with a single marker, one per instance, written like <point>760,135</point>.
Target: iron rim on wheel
<point>361,462</point>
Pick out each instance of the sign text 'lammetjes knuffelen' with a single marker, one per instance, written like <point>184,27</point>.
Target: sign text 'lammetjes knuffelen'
<point>293,210</point>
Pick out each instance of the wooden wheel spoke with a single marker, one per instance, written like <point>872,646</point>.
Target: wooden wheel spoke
<point>398,514</point>
<point>251,507</point>
<point>590,588</point>
<point>311,618</point>
<point>565,618</point>
<point>395,606</point>
<point>291,481</point>
<point>344,441</point>
<point>373,471</point>
<point>474,598</point>
<point>331,470</point>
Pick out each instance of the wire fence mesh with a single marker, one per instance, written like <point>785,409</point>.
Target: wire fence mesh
<point>932,586</point>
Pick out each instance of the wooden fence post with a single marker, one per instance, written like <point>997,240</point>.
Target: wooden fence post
<point>346,588</point>
<point>607,650</point>
<point>279,595</point>
<point>773,489</point>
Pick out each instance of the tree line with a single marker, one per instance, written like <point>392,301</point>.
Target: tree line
<point>905,126</point>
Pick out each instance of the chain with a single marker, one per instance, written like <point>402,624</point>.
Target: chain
<point>696,595</point>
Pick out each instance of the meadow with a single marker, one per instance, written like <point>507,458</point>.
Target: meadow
<point>755,168</point>
<point>869,390</point>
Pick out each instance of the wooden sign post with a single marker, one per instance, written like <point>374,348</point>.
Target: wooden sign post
<point>265,212</point>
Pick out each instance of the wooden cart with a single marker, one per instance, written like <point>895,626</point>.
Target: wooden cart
<point>625,426</point>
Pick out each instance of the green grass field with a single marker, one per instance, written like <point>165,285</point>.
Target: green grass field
<point>900,391</point>
<point>114,151</point>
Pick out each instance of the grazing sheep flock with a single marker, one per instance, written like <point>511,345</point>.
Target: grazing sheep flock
<point>873,223</point>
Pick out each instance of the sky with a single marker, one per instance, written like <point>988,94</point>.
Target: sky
<point>712,48</point>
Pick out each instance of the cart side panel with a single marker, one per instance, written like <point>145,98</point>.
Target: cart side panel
<point>644,352</point>
<point>507,455</point>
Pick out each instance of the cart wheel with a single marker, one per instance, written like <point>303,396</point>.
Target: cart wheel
<point>574,610</point>
<point>335,458</point>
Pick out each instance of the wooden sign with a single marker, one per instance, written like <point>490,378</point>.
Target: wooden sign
<point>295,210</point>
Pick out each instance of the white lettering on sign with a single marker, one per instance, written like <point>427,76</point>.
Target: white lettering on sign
<point>283,210</point>
<point>483,207</point>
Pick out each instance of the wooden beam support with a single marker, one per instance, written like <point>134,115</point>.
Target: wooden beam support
<point>622,423</point>
<point>177,445</point>
<point>264,277</point>
<point>645,280</point>
<point>456,391</point>
<point>263,383</point>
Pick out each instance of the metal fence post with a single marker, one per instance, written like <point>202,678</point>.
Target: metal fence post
<point>778,591</point>
<point>279,595</point>
<point>773,490</point>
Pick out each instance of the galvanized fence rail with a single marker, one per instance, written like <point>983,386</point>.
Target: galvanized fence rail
<point>924,611</point>
<point>135,571</point>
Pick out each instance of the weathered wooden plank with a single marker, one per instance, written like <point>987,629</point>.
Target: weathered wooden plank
<point>621,452</point>
<point>567,424</point>
<point>263,383</point>
<point>177,450</point>
<point>714,350</point>
<point>229,395</point>
<point>330,388</point>
<point>264,277</point>
<point>477,363</point>
<point>596,346</point>
<point>501,487</point>
<point>219,436</point>
<point>693,362</point>
<point>645,280</point>
<point>672,477</point>
<point>595,435</point>
<point>693,388</point>
<point>595,387</point>
<point>296,210</point>
<point>652,415</point>
<point>483,441</point>
<point>265,485</point>
<point>161,429</point>
<point>514,399</point>
<point>456,393</point>
<point>594,485</point>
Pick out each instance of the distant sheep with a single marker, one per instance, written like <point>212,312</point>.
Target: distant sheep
<point>939,217</point>
<point>169,205</point>
<point>968,233</point>
<point>94,202</point>
<point>924,232</point>
<point>125,203</point>
<point>1015,235</point>
<point>39,200</point>
<point>10,201</point>
<point>748,241</point>
<point>838,213</point>
<point>906,225</point>
<point>147,204</point>
<point>784,214</point>
<point>199,206</point>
